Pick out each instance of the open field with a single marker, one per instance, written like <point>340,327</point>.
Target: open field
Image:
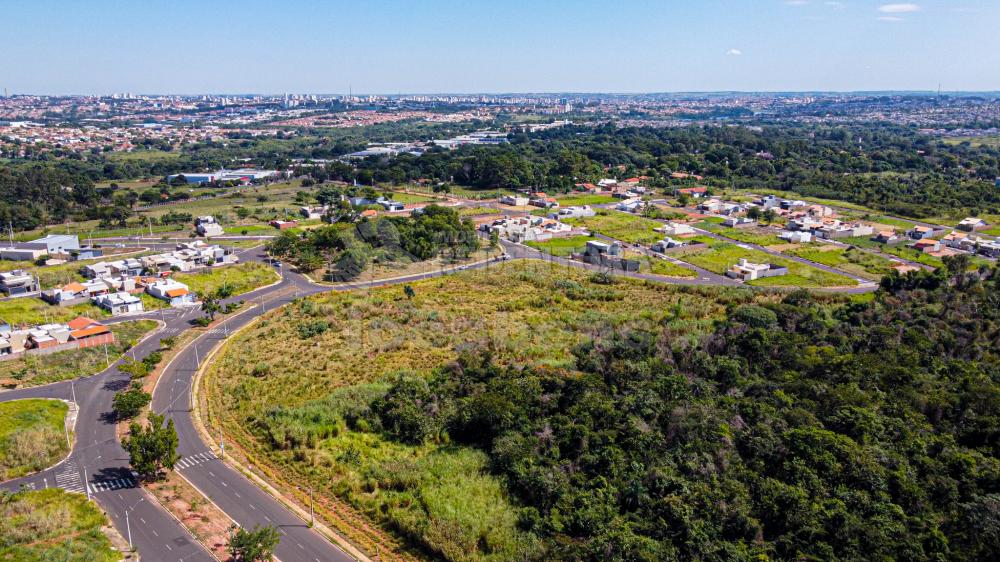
<point>899,250</point>
<point>626,227</point>
<point>758,236</point>
<point>584,199</point>
<point>32,311</point>
<point>402,268</point>
<point>851,260</point>
<point>792,195</point>
<point>32,436</point>
<point>474,211</point>
<point>144,155</point>
<point>49,525</point>
<point>990,141</point>
<point>33,370</point>
<point>667,268</point>
<point>411,198</point>
<point>720,256</point>
<point>562,247</point>
<point>283,388</point>
<point>241,278</point>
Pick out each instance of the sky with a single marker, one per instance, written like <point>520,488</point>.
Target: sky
<point>496,46</point>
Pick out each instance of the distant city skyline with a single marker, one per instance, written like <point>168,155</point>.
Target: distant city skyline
<point>448,46</point>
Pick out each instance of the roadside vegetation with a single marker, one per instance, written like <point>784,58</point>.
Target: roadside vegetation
<point>48,525</point>
<point>33,370</point>
<point>32,436</point>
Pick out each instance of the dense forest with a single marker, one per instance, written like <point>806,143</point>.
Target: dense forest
<point>794,430</point>
<point>894,169</point>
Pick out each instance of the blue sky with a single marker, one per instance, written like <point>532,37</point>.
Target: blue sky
<point>392,46</point>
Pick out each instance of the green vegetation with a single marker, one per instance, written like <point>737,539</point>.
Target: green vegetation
<point>626,227</point>
<point>239,278</point>
<point>47,525</point>
<point>669,269</point>
<point>32,435</point>
<point>901,250</point>
<point>477,211</point>
<point>746,235</point>
<point>440,497</point>
<point>771,438</point>
<point>849,259</point>
<point>562,247</point>
<point>254,545</point>
<point>720,256</point>
<point>33,370</point>
<point>128,404</point>
<point>584,199</point>
<point>31,311</point>
<point>151,448</point>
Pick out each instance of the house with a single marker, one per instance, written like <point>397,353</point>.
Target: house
<point>284,225</point>
<point>920,232</point>
<point>796,236</point>
<point>767,202</point>
<point>886,237</point>
<point>208,226</point>
<point>693,192</point>
<point>684,176</point>
<point>970,224</point>
<point>18,283</point>
<point>836,230</point>
<point>630,206</point>
<point>789,204</point>
<point>926,246</point>
<point>88,333</point>
<point>666,244</point>
<point>86,253</point>
<point>989,248</point>
<point>514,200</point>
<point>543,201</point>
<point>748,271</point>
<point>607,255</point>
<point>956,239</point>
<point>573,212</point>
<point>172,291</point>
<point>738,222</point>
<point>313,212</point>
<point>75,293</point>
<point>804,223</point>
<point>389,204</point>
<point>675,229</point>
<point>53,244</point>
<point>607,182</point>
<point>119,303</point>
<point>369,214</point>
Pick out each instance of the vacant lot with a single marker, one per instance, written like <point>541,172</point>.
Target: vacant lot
<point>32,311</point>
<point>286,378</point>
<point>584,199</point>
<point>33,370</point>
<point>758,236</point>
<point>32,436</point>
<point>240,278</point>
<point>851,260</point>
<point>626,227</point>
<point>720,256</point>
<point>563,246</point>
<point>53,525</point>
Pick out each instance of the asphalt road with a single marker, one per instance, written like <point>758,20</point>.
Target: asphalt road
<point>99,465</point>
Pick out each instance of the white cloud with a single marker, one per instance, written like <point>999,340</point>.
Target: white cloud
<point>734,52</point>
<point>890,19</point>
<point>898,8</point>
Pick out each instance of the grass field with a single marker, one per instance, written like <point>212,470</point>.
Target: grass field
<point>241,278</point>
<point>990,141</point>
<point>32,311</point>
<point>474,211</point>
<point>32,436</point>
<point>756,236</point>
<point>584,199</point>
<point>299,364</point>
<point>53,525</point>
<point>851,260</point>
<point>669,269</point>
<point>144,155</point>
<point>411,198</point>
<point>562,247</point>
<point>33,370</point>
<point>720,256</point>
<point>626,227</point>
<point>898,250</point>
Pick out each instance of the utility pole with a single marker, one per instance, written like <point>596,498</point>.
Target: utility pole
<point>197,361</point>
<point>128,528</point>
<point>86,484</point>
<point>222,443</point>
<point>312,510</point>
<point>106,358</point>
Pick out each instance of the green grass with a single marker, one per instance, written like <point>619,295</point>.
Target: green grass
<point>747,235</point>
<point>438,497</point>
<point>144,156</point>
<point>411,198</point>
<point>584,199</point>
<point>562,247</point>
<point>989,141</point>
<point>251,229</point>
<point>32,311</point>
<point>474,211</point>
<point>890,221</point>
<point>851,260</point>
<point>34,370</point>
<point>818,200</point>
<point>720,256</point>
<point>49,525</point>
<point>241,278</point>
<point>32,436</point>
<point>670,269</point>
<point>626,227</point>
<point>900,250</point>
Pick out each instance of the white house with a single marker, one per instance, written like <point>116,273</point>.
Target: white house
<point>796,236</point>
<point>119,303</point>
<point>174,292</point>
<point>208,226</point>
<point>675,229</point>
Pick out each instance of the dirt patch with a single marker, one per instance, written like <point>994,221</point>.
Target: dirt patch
<point>209,525</point>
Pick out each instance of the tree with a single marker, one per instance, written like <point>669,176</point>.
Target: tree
<point>210,305</point>
<point>255,545</point>
<point>152,448</point>
<point>769,216</point>
<point>128,403</point>
<point>753,213</point>
<point>409,292</point>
